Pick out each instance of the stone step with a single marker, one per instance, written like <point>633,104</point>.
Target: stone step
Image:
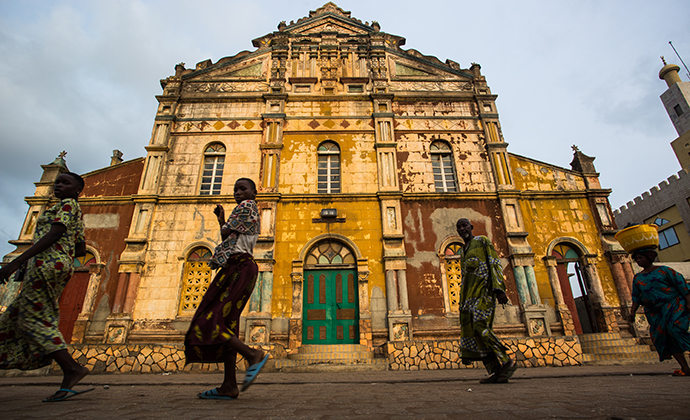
<point>353,356</point>
<point>628,350</point>
<point>331,348</point>
<point>612,349</point>
<point>599,337</point>
<point>299,366</point>
<point>622,342</point>
<point>618,359</point>
<point>608,344</point>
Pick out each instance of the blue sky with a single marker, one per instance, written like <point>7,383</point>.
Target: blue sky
<point>82,76</point>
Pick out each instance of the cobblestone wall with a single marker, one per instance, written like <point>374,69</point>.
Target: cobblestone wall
<point>402,355</point>
<point>528,352</point>
<point>141,358</point>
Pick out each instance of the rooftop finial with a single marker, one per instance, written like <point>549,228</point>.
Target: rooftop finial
<point>663,60</point>
<point>575,148</point>
<point>60,160</point>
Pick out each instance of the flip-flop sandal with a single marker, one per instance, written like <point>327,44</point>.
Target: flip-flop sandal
<point>253,372</point>
<point>213,394</point>
<point>507,371</point>
<point>493,379</point>
<point>69,394</point>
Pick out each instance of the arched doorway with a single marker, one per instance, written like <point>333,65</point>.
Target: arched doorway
<point>330,298</point>
<point>576,287</point>
<point>72,298</point>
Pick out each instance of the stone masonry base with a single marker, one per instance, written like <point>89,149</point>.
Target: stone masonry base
<point>443,354</point>
<point>402,355</point>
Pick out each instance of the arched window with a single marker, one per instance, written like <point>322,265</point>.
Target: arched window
<point>442,163</point>
<point>329,168</point>
<point>197,277</point>
<point>212,176</point>
<point>562,251</point>
<point>330,253</point>
<point>84,261</point>
<point>452,255</point>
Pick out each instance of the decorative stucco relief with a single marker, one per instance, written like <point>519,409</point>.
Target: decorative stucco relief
<point>226,87</point>
<point>418,86</point>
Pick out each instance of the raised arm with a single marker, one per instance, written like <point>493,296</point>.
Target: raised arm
<point>54,234</point>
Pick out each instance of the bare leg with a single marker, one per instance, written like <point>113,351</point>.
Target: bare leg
<point>72,372</point>
<point>251,355</point>
<point>229,386</point>
<point>680,358</point>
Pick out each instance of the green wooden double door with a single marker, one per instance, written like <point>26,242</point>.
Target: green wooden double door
<point>331,307</point>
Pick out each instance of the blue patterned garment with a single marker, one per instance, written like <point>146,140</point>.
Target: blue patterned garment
<point>482,275</point>
<point>662,293</point>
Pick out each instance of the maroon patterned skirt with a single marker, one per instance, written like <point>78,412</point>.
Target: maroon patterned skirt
<point>217,318</point>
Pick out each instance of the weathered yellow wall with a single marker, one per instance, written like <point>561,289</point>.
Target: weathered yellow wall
<point>182,176</point>
<point>175,228</point>
<point>532,175</point>
<point>299,160</point>
<point>294,228</point>
<point>549,216</point>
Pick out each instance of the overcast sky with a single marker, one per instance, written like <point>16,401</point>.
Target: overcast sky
<point>82,76</point>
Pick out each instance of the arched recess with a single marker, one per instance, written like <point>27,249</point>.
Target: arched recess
<point>320,263</point>
<point>449,255</point>
<point>196,277</point>
<point>76,301</point>
<point>577,285</point>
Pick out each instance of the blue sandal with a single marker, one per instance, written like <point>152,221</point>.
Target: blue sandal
<point>253,372</point>
<point>213,394</point>
<point>69,393</point>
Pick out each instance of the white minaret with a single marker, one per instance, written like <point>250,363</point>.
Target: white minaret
<point>676,100</point>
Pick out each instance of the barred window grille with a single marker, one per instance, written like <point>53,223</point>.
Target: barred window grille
<point>197,277</point>
<point>452,255</point>
<point>212,175</point>
<point>442,163</point>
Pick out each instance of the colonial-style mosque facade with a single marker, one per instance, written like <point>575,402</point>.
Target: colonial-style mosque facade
<point>365,155</point>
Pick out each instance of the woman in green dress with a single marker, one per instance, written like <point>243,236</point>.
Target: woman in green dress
<point>29,335</point>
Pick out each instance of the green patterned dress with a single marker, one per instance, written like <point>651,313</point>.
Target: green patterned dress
<point>482,275</point>
<point>29,327</point>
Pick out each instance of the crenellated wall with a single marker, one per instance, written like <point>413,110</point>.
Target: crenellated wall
<point>674,192</point>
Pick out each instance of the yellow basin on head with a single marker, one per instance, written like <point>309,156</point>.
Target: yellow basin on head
<point>638,237</point>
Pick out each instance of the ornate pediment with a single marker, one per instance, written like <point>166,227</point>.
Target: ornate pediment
<point>415,67</point>
<point>330,18</point>
<point>329,44</point>
<point>331,8</point>
<point>243,66</point>
<point>402,70</point>
<point>328,24</point>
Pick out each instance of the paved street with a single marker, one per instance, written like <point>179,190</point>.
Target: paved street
<point>580,392</point>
